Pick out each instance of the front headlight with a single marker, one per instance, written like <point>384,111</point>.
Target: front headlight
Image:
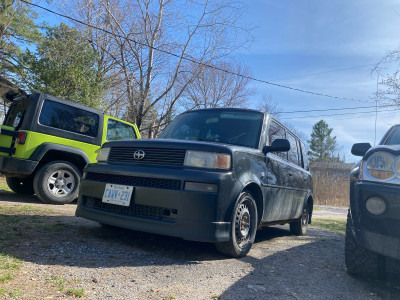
<point>381,165</point>
<point>103,153</point>
<point>207,160</point>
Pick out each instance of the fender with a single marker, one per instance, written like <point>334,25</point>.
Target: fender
<point>41,151</point>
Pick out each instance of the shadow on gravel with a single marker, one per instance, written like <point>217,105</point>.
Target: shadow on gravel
<point>22,199</point>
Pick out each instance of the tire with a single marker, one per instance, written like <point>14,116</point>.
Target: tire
<point>359,260</point>
<point>299,227</point>
<point>23,186</point>
<point>243,227</point>
<point>57,182</point>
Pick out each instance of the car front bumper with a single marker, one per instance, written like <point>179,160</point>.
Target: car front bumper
<point>379,233</point>
<point>157,207</point>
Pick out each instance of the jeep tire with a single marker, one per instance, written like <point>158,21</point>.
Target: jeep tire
<point>23,186</point>
<point>359,260</point>
<point>57,182</point>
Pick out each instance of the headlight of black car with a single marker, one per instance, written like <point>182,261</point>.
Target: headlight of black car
<point>381,166</point>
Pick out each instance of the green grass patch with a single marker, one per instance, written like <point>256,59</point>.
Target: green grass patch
<point>336,225</point>
<point>76,293</point>
<point>52,227</point>
<point>8,265</point>
<point>23,209</point>
<point>11,293</point>
<point>4,186</point>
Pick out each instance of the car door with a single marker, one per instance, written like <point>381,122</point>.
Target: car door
<point>277,191</point>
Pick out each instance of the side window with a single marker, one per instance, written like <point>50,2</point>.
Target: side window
<point>305,157</point>
<point>119,131</point>
<point>69,118</point>
<point>293,152</point>
<point>276,131</point>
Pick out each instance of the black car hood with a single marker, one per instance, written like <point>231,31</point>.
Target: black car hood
<point>177,144</point>
<point>9,91</point>
<point>394,149</point>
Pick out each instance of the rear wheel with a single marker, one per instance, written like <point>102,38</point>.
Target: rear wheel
<point>57,182</point>
<point>243,227</point>
<point>359,260</point>
<point>23,186</point>
<point>299,227</point>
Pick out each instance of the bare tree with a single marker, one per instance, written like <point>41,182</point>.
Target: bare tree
<point>215,88</point>
<point>152,45</point>
<point>267,104</point>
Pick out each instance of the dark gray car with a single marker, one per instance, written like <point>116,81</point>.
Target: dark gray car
<point>214,175</point>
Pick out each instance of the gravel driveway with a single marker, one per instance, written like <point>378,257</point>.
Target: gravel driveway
<point>63,252</point>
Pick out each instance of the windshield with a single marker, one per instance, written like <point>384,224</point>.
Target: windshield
<point>394,137</point>
<point>231,127</point>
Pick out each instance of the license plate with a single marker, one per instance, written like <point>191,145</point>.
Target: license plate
<point>117,194</point>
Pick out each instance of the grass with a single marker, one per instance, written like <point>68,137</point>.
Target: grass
<point>8,266</point>
<point>336,225</point>
<point>76,293</point>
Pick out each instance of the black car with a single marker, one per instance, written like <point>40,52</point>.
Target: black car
<point>373,223</point>
<point>214,175</point>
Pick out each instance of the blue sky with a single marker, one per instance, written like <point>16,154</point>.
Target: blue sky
<point>295,38</point>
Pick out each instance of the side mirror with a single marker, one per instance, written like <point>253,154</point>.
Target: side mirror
<point>360,149</point>
<point>278,145</point>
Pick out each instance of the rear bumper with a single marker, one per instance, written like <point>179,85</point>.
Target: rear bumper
<point>15,166</point>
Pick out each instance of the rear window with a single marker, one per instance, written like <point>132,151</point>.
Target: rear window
<point>16,112</point>
<point>65,117</point>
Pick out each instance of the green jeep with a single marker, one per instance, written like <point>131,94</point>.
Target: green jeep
<point>45,142</point>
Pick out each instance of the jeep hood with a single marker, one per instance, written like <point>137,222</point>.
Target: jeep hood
<point>9,91</point>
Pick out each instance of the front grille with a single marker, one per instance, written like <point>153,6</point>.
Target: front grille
<point>161,183</point>
<point>151,212</point>
<point>158,156</point>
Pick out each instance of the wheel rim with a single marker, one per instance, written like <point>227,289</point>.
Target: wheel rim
<point>61,183</point>
<point>242,223</point>
<point>304,218</point>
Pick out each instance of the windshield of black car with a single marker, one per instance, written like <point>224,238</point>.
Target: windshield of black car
<point>231,127</point>
<point>394,137</point>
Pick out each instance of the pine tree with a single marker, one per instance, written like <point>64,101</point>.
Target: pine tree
<point>323,146</point>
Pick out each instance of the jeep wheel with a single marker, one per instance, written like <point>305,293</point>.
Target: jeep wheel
<point>359,260</point>
<point>299,227</point>
<point>57,182</point>
<point>243,227</point>
<point>23,186</point>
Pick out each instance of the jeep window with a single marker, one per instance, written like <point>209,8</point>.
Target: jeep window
<point>304,156</point>
<point>394,137</point>
<point>293,153</point>
<point>69,118</point>
<point>16,113</point>
<point>119,131</point>
<point>241,128</point>
<point>276,131</point>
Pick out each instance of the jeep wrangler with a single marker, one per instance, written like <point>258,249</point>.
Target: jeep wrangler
<point>46,141</point>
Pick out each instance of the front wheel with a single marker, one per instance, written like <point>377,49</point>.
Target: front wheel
<point>243,227</point>
<point>57,182</point>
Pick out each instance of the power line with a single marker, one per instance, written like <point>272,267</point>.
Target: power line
<point>195,61</point>
<point>353,117</point>
<point>330,109</point>
<point>362,112</point>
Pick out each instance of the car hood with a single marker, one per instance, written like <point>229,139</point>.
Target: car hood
<point>178,144</point>
<point>394,149</point>
<point>9,91</point>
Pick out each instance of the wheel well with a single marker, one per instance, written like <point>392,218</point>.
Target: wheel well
<point>53,155</point>
<point>255,190</point>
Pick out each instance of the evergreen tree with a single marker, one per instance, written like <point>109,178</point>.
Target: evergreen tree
<point>323,146</point>
<point>65,65</point>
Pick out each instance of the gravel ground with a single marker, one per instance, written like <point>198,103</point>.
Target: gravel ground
<point>69,252</point>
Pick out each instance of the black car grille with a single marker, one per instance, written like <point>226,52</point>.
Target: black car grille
<point>161,183</point>
<point>151,212</point>
<point>159,156</point>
